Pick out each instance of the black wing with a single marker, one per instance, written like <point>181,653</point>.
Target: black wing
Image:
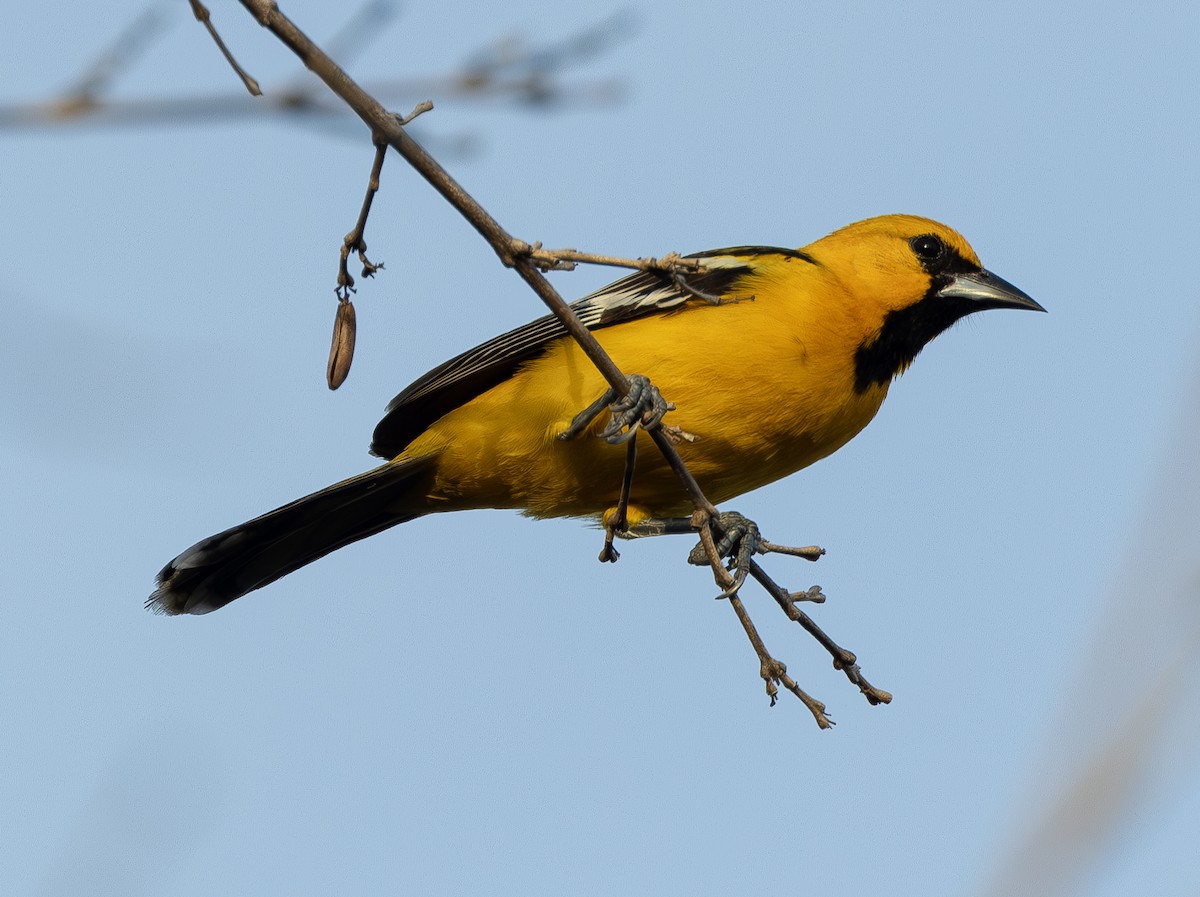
<point>477,370</point>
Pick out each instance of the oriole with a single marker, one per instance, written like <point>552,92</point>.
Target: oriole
<point>793,361</point>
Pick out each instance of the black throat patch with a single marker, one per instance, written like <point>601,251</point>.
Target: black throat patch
<point>906,331</point>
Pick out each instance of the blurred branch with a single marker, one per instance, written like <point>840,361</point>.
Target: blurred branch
<point>1125,742</point>
<point>511,59</point>
<point>117,57</point>
<point>505,70</point>
<point>363,26</point>
<point>1073,832</point>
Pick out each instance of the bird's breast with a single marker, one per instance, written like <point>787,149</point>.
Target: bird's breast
<point>763,395</point>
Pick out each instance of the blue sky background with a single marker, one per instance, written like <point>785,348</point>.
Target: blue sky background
<point>471,704</point>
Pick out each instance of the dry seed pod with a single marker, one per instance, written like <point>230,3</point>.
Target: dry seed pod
<point>341,353</point>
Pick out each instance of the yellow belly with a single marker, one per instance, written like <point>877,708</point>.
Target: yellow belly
<point>762,402</point>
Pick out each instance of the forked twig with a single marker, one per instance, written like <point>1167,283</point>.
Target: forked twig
<point>341,353</point>
<point>773,671</point>
<point>843,660</point>
<point>353,241</point>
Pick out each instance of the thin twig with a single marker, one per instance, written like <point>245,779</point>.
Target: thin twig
<point>200,11</point>
<point>353,241</point>
<point>341,350</point>
<point>341,353</point>
<point>808,552</point>
<point>772,670</point>
<point>420,109</point>
<point>566,259</point>
<point>296,104</point>
<point>685,287</point>
<point>842,659</point>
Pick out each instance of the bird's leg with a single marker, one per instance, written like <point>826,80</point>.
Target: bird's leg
<point>676,526</point>
<point>659,526</point>
<point>643,407</point>
<point>580,421</point>
<point>617,520</point>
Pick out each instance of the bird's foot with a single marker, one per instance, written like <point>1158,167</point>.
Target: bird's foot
<point>642,408</point>
<point>736,538</point>
<point>730,536</point>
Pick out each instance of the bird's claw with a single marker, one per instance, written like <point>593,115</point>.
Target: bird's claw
<point>643,407</point>
<point>739,541</point>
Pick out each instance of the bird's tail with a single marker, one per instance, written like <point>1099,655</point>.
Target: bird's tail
<point>226,566</point>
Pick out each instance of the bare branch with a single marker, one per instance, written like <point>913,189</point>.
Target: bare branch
<point>296,98</point>
<point>341,352</point>
<point>419,109</point>
<point>202,15</point>
<point>808,552</point>
<point>566,259</point>
<point>353,241</point>
<point>700,522</point>
<point>772,671</point>
<point>710,298</point>
<point>356,33</point>
<point>842,659</point>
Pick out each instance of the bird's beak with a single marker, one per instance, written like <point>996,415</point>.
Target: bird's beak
<point>983,289</point>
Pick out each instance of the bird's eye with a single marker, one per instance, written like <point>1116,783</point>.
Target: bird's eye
<point>928,247</point>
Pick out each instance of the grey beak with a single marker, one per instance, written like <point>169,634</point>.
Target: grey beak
<point>983,290</point>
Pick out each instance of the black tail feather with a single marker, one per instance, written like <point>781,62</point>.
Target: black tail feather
<point>226,566</point>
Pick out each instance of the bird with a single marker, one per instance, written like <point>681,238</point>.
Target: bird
<point>770,358</point>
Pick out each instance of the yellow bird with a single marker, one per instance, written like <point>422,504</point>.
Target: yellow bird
<point>790,364</point>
